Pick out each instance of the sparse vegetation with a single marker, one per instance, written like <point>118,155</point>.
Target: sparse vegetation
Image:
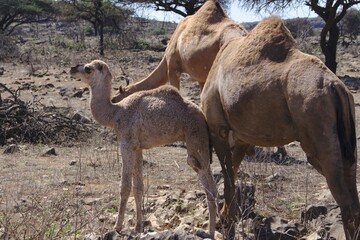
<point>75,194</point>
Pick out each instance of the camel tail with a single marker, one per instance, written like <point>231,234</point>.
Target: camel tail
<point>346,123</point>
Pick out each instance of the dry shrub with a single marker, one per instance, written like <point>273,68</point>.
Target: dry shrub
<point>34,122</point>
<point>8,48</point>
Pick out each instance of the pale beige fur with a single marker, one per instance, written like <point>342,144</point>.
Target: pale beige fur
<point>144,120</point>
<point>269,93</point>
<point>191,49</point>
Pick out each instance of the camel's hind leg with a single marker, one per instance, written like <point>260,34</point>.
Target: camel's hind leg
<point>128,157</point>
<point>138,189</point>
<point>323,151</point>
<point>341,182</point>
<point>208,182</point>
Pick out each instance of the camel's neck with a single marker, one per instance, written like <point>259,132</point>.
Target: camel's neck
<point>156,78</point>
<point>101,107</point>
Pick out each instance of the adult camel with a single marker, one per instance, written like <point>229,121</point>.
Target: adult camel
<point>191,49</point>
<point>268,93</point>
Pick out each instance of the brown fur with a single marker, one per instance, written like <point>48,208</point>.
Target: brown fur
<point>144,120</point>
<point>191,49</point>
<point>268,93</point>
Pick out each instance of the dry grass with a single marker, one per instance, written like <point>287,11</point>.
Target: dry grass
<point>74,195</point>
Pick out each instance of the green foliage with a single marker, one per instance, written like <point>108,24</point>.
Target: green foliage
<point>140,45</point>
<point>159,31</point>
<point>17,12</point>
<point>68,44</point>
<point>103,15</point>
<point>351,24</point>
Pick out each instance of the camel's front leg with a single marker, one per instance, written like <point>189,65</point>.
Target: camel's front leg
<point>202,168</point>
<point>138,189</point>
<point>223,151</point>
<point>128,157</point>
<point>208,182</point>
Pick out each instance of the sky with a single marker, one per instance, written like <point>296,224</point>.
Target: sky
<point>236,12</point>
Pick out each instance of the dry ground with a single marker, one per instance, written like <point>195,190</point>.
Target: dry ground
<point>74,195</point>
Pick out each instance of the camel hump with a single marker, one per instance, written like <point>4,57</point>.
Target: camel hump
<point>210,9</point>
<point>273,40</point>
<point>345,117</point>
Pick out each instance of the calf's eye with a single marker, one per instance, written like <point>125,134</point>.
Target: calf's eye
<point>87,69</point>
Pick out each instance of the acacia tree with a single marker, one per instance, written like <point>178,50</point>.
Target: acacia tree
<point>14,13</point>
<point>331,11</point>
<point>99,13</point>
<point>181,7</point>
<point>350,26</point>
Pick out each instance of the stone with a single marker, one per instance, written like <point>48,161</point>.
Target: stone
<point>274,177</point>
<point>81,118</point>
<point>313,212</point>
<point>12,148</point>
<point>73,162</point>
<point>90,201</point>
<point>276,228</point>
<point>49,152</point>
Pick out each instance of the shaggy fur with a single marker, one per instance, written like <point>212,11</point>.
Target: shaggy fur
<point>144,120</point>
<point>268,93</point>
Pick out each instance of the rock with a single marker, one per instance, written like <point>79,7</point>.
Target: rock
<point>327,221</point>
<point>90,201</point>
<point>78,93</point>
<point>313,236</point>
<point>64,91</point>
<point>187,220</point>
<point>80,117</point>
<point>49,152</point>
<point>313,212</point>
<point>2,70</point>
<point>276,228</point>
<point>113,235</point>
<point>10,141</point>
<point>91,236</point>
<point>49,85</point>
<point>202,234</point>
<point>12,148</point>
<point>73,162</point>
<point>274,177</point>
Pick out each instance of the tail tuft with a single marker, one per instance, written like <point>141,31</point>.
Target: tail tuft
<point>346,123</point>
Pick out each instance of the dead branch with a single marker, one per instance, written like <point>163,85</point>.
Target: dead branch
<point>36,123</point>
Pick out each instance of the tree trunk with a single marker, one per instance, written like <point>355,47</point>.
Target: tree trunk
<point>329,46</point>
<point>101,36</point>
<point>95,29</point>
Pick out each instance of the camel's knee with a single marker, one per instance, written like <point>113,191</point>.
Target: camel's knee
<point>194,163</point>
<point>125,189</point>
<point>224,133</point>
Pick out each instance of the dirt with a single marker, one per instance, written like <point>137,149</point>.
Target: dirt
<point>74,194</point>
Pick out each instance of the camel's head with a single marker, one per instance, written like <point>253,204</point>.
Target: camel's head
<point>120,94</point>
<point>92,73</point>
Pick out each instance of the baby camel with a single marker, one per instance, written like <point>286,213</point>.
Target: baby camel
<point>144,120</point>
